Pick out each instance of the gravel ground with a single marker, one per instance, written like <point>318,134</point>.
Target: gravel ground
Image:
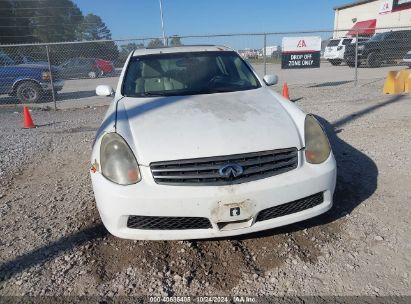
<point>53,242</point>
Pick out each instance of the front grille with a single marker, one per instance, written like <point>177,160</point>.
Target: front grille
<point>407,56</point>
<point>167,223</point>
<point>292,207</point>
<point>205,171</point>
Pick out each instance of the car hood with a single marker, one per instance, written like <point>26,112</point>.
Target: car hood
<point>33,65</point>
<point>184,127</point>
<point>36,66</point>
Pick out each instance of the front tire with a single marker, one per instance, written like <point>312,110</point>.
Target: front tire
<point>374,60</point>
<point>351,64</point>
<point>29,92</point>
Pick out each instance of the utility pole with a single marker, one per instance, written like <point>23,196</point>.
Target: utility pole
<point>162,22</point>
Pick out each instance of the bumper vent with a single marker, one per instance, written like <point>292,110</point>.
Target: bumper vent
<point>206,171</point>
<point>292,207</point>
<point>167,223</point>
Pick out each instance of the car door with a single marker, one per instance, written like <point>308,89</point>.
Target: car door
<point>392,46</point>
<point>80,66</point>
<point>7,73</point>
<point>406,47</point>
<point>86,67</point>
<point>67,69</point>
<point>331,49</point>
<point>344,43</point>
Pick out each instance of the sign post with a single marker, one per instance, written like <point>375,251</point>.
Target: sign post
<point>301,52</point>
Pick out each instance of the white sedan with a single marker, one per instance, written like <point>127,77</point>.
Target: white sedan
<point>195,145</point>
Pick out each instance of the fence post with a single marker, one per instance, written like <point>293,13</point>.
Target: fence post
<point>356,60</point>
<point>53,94</point>
<point>265,54</point>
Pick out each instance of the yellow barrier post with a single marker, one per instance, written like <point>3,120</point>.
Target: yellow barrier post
<point>407,83</point>
<point>393,84</point>
<point>398,82</point>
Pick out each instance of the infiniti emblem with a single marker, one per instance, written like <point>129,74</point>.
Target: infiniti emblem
<point>231,170</point>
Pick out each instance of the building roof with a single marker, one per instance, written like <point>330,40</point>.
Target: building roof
<point>351,4</point>
<point>180,49</point>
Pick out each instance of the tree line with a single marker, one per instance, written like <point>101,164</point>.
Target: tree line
<point>23,21</point>
<point>44,21</point>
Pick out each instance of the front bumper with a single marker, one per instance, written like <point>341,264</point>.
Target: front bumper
<point>351,57</point>
<point>58,85</point>
<point>116,203</point>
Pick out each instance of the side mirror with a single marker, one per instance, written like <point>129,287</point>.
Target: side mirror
<point>104,90</point>
<point>270,79</point>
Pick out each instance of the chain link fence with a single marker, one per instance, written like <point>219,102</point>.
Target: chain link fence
<point>67,73</point>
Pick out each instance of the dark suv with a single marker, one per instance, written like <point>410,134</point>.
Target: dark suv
<point>385,47</point>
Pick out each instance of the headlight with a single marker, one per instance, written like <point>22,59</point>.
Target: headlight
<point>317,147</point>
<point>118,163</point>
<point>45,75</point>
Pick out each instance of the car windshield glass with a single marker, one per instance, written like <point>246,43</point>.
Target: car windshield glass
<point>347,41</point>
<point>187,74</point>
<point>378,37</point>
<point>333,43</point>
<point>6,60</point>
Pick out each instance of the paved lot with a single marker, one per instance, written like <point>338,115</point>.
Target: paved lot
<point>53,242</point>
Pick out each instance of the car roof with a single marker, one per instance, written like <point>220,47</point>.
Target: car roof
<point>180,49</point>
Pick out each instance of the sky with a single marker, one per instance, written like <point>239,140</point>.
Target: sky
<point>141,18</point>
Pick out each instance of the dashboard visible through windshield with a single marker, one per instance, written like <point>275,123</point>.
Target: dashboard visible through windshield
<point>187,73</point>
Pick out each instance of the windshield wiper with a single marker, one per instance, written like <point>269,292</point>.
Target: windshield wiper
<point>151,94</point>
<point>191,92</point>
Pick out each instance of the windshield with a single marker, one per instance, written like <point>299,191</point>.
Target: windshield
<point>346,41</point>
<point>378,37</point>
<point>187,74</point>
<point>333,43</point>
<point>6,60</point>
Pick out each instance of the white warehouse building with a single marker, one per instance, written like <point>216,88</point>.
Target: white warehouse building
<point>367,16</point>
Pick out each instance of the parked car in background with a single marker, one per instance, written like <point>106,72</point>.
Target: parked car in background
<point>249,53</point>
<point>407,59</point>
<point>335,49</point>
<point>29,82</point>
<point>388,47</point>
<point>196,145</point>
<point>86,67</point>
<point>106,67</point>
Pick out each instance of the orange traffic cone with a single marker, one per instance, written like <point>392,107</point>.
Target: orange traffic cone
<point>286,94</point>
<point>27,121</point>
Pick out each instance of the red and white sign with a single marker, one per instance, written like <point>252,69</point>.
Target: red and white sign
<point>386,7</point>
<point>301,44</point>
